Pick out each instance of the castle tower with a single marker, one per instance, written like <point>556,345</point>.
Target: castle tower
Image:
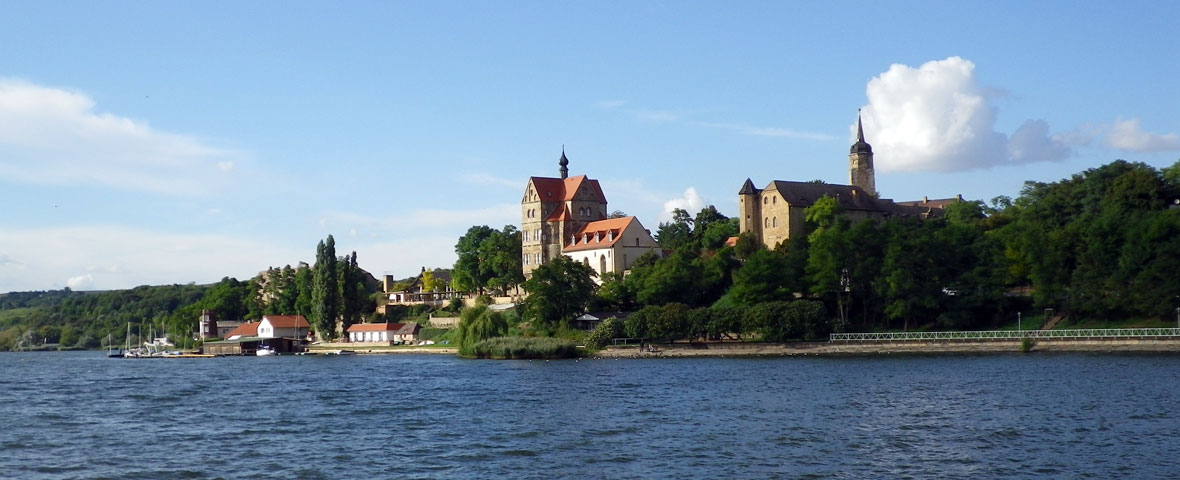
<point>749,209</point>
<point>860,162</point>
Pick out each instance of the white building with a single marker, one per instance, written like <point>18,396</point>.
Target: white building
<point>386,333</point>
<point>610,245</point>
<point>283,326</point>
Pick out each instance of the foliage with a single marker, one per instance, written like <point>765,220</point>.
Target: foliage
<point>488,258</point>
<point>524,348</point>
<point>609,329</point>
<point>324,293</point>
<point>559,291</point>
<point>476,324</point>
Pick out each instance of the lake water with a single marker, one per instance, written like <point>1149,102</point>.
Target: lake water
<point>81,415</point>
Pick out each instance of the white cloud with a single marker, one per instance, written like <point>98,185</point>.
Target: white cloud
<point>131,257</point>
<point>81,282</point>
<point>1128,135</point>
<point>937,118</point>
<point>690,201</point>
<point>52,136</point>
<point>767,131</point>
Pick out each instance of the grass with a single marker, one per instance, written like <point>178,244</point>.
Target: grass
<point>504,348</point>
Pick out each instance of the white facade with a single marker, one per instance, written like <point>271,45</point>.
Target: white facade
<point>611,245</point>
<point>287,327</point>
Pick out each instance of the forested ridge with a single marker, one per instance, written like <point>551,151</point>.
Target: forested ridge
<point>87,319</point>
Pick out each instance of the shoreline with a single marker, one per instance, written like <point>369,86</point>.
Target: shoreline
<point>674,350</point>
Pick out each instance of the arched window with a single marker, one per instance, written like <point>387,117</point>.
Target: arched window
<point>764,200</point>
<point>766,222</point>
<point>774,200</point>
<point>774,221</point>
<point>602,264</point>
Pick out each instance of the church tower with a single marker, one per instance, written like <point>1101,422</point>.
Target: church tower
<point>860,162</point>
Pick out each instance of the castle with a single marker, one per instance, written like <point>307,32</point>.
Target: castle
<point>774,213</point>
<point>568,216</point>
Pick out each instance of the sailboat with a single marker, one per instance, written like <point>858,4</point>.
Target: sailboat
<point>111,352</point>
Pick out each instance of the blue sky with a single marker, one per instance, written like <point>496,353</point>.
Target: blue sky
<point>176,142</point>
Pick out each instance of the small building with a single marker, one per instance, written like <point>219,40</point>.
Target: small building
<point>611,245</point>
<point>385,333</point>
<point>248,329</point>
<point>283,326</point>
<point>590,321</point>
<point>417,292</point>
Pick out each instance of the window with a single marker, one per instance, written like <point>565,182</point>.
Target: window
<point>764,200</point>
<point>775,221</point>
<point>526,259</point>
<point>766,222</point>
<point>773,199</point>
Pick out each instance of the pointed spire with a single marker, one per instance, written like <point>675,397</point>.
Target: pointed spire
<point>861,146</point>
<point>860,131</point>
<point>748,188</point>
<point>564,163</point>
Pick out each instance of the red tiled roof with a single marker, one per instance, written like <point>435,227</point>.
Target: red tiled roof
<point>375,327</point>
<point>608,231</point>
<point>287,321</point>
<point>248,329</point>
<point>559,190</point>
<point>731,241</point>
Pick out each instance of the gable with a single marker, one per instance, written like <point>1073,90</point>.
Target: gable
<point>804,194</point>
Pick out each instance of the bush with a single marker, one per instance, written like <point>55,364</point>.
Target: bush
<point>506,348</point>
<point>477,324</point>
<point>608,330</point>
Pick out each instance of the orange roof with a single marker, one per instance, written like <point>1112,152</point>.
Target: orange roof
<point>375,327</point>
<point>248,329</point>
<point>287,321</point>
<point>563,190</point>
<point>558,214</point>
<point>731,241</point>
<point>599,234</point>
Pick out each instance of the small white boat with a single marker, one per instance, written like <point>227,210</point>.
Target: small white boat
<point>266,352</point>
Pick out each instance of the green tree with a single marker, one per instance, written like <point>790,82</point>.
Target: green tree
<point>325,296</point>
<point>677,234</point>
<point>476,324</point>
<point>500,259</point>
<point>467,275</point>
<point>559,291</point>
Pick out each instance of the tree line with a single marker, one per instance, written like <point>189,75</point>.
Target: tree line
<point>342,290</point>
<point>1103,243</point>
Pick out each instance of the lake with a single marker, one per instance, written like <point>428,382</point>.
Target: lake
<point>81,415</point>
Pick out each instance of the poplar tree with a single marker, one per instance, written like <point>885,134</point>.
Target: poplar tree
<point>325,297</point>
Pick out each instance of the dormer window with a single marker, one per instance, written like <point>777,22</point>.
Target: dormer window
<point>596,237</point>
<point>610,236</point>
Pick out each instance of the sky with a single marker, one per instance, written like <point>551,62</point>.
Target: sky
<point>148,143</point>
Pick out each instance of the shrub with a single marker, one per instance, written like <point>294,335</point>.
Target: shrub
<point>523,347</point>
<point>608,330</point>
<point>477,324</point>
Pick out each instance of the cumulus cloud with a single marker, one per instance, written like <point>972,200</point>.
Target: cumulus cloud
<point>55,136</point>
<point>1128,135</point>
<point>81,282</point>
<point>938,118</point>
<point>690,201</point>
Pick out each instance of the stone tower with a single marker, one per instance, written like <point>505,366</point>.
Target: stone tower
<point>860,162</point>
<point>749,209</point>
<point>564,164</point>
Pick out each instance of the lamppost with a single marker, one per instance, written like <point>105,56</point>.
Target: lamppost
<point>1018,321</point>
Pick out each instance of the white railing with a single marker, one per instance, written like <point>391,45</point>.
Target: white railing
<point>1010,334</point>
